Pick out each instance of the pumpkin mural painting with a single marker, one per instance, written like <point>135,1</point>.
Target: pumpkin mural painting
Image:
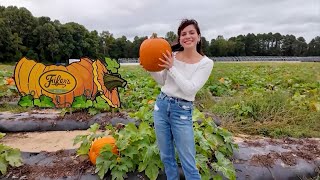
<point>151,50</point>
<point>63,83</point>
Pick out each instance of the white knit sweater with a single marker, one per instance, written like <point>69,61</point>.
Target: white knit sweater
<point>184,80</point>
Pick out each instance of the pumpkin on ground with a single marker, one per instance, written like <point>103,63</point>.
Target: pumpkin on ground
<point>64,83</point>
<point>98,144</point>
<point>10,81</point>
<point>151,50</point>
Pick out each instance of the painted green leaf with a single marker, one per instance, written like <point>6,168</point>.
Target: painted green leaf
<point>26,101</point>
<point>100,104</point>
<point>44,101</point>
<point>37,102</point>
<point>93,111</point>
<point>81,102</point>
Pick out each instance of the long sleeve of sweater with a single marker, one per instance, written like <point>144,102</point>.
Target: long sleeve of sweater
<point>159,77</point>
<point>192,86</point>
<point>184,80</point>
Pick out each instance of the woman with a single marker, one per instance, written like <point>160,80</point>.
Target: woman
<point>186,71</point>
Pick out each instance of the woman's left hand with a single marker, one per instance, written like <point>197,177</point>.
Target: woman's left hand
<point>168,61</point>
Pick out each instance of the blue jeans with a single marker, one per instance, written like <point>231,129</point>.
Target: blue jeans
<point>173,126</point>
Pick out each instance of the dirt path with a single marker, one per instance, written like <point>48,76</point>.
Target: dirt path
<point>51,141</point>
<point>257,157</point>
<point>42,141</point>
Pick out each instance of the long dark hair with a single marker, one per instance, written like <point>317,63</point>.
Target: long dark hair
<point>184,23</point>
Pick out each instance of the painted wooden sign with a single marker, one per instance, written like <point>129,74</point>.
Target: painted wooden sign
<point>62,84</point>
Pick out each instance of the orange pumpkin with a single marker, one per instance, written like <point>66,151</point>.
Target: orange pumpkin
<point>10,81</point>
<point>96,146</point>
<point>151,50</point>
<point>84,78</point>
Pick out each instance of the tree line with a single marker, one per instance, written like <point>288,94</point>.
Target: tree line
<point>46,40</point>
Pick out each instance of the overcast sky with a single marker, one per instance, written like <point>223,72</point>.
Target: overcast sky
<point>215,17</point>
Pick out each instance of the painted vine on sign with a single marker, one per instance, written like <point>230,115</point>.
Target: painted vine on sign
<point>86,81</point>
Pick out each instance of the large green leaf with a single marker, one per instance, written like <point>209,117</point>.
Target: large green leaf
<point>9,157</point>
<point>13,157</point>
<point>84,148</point>
<point>2,135</point>
<point>102,166</point>
<point>118,175</point>
<point>225,166</point>
<point>131,152</point>
<point>152,171</point>
<point>79,138</point>
<point>94,127</point>
<point>144,128</point>
<point>3,165</point>
<point>112,65</point>
<point>202,161</point>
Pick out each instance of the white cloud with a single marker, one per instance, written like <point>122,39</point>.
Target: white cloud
<point>143,17</point>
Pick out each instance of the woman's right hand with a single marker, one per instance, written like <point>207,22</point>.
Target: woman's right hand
<point>167,61</point>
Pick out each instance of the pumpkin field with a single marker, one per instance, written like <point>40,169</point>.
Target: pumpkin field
<point>270,99</point>
<point>262,99</point>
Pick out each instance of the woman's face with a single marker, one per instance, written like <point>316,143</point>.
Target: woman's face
<point>189,37</point>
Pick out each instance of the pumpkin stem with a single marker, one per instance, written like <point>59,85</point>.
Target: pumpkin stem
<point>154,35</point>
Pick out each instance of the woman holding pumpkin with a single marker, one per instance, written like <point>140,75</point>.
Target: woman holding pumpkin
<point>186,71</point>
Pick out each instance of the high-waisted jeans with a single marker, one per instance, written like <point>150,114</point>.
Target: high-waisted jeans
<point>173,126</point>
